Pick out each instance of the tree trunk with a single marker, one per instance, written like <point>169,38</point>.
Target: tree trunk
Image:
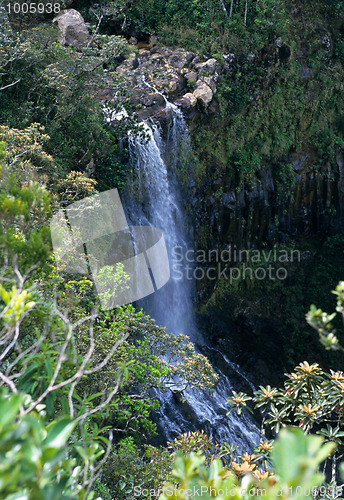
<point>224,8</point>
<point>231,9</point>
<point>245,13</point>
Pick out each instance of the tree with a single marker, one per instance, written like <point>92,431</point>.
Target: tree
<point>36,460</point>
<point>61,355</point>
<point>61,88</point>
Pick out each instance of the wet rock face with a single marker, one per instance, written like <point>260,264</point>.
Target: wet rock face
<point>73,29</point>
<point>268,211</point>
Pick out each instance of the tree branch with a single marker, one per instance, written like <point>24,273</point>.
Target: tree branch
<point>10,85</point>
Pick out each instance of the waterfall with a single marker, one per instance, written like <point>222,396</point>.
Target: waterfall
<point>154,199</point>
<point>157,204</point>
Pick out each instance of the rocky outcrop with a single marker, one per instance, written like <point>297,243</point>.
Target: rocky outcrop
<point>181,58</point>
<point>152,72</point>
<point>73,29</point>
<point>177,73</point>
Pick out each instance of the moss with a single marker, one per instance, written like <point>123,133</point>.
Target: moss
<point>262,123</point>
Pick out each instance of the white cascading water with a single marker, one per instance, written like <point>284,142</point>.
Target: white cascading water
<point>157,204</point>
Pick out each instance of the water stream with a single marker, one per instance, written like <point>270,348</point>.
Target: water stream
<point>154,199</point>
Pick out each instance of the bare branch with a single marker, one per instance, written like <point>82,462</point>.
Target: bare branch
<point>81,371</point>
<point>9,382</point>
<point>13,343</point>
<point>10,85</point>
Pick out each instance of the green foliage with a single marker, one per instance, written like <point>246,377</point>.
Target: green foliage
<point>268,107</point>
<point>97,367</point>
<point>310,398</point>
<point>100,370</point>
<point>25,152</point>
<point>16,304</point>
<point>112,280</point>
<point>198,442</point>
<point>205,27</point>
<point>322,322</point>
<point>24,204</point>
<point>112,171</point>
<point>154,359</point>
<point>238,401</point>
<point>75,186</point>
<point>339,50</point>
<point>296,459</point>
<point>52,93</point>
<point>129,467</point>
<point>36,461</point>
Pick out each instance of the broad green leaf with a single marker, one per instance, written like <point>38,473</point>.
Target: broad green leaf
<point>9,409</point>
<point>59,433</point>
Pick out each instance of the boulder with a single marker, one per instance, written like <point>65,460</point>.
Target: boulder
<point>73,28</point>
<point>181,58</point>
<point>209,66</point>
<point>175,84</point>
<point>156,57</point>
<point>144,53</point>
<point>128,65</point>
<point>152,98</point>
<point>203,94</point>
<point>209,80</point>
<point>188,101</point>
<point>191,76</point>
<point>164,51</point>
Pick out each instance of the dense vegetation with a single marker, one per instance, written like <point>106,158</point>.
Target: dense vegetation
<point>78,384</point>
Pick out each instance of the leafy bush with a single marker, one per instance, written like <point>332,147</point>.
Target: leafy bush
<point>295,457</point>
<point>36,460</point>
